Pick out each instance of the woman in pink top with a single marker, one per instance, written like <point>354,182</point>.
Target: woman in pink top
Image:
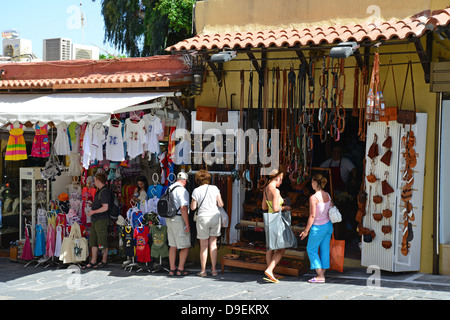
<point>319,228</point>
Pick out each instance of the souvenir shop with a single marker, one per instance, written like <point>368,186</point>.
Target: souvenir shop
<point>49,167</point>
<point>355,120</point>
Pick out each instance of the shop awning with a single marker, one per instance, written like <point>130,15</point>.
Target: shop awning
<point>72,107</point>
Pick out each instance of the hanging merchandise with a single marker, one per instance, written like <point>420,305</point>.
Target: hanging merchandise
<point>158,234</point>
<point>52,167</point>
<point>74,137</point>
<point>16,147</point>
<point>27,253</point>
<point>61,144</point>
<point>39,245</point>
<point>407,116</point>
<point>74,248</point>
<point>154,130</point>
<point>222,113</point>
<point>141,236</point>
<point>373,107</point>
<point>98,139</point>
<point>390,113</point>
<point>41,146</point>
<point>135,136</point>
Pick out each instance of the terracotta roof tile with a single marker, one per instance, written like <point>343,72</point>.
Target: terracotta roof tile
<point>392,29</point>
<point>154,71</point>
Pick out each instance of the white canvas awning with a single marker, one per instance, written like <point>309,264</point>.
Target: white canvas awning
<point>71,107</point>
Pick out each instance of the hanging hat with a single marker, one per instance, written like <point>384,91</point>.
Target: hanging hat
<point>63,197</point>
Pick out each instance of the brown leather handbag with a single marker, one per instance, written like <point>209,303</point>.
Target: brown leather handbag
<point>386,229</point>
<point>208,114</point>
<point>386,188</point>
<point>373,150</point>
<point>407,116</point>
<point>386,244</point>
<point>222,113</point>
<point>386,158</point>
<point>390,113</point>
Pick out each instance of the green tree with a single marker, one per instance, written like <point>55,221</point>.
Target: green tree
<point>146,27</point>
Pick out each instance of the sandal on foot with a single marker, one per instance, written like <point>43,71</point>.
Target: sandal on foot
<point>202,274</point>
<point>182,273</point>
<point>270,278</point>
<point>314,280</point>
<point>101,265</point>
<point>172,272</point>
<point>90,265</point>
<point>214,273</point>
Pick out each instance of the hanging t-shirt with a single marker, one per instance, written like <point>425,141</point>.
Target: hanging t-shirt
<point>128,241</point>
<point>154,129</point>
<point>207,200</point>
<point>87,146</point>
<point>135,137</point>
<point>97,142</point>
<point>141,236</point>
<point>114,143</point>
<point>159,237</point>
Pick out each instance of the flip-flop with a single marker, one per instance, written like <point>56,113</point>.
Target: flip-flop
<point>90,266</point>
<point>314,280</point>
<point>270,278</point>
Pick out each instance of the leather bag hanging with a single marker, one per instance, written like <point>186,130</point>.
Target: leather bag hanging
<point>208,114</point>
<point>390,113</point>
<point>407,116</point>
<point>222,113</point>
<point>373,150</point>
<point>386,158</point>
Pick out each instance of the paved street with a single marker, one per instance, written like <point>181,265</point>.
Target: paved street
<point>111,283</point>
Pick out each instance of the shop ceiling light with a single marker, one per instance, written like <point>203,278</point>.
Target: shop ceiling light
<point>222,57</point>
<point>343,49</point>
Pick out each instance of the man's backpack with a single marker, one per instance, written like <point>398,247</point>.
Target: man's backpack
<point>114,208</point>
<point>166,206</point>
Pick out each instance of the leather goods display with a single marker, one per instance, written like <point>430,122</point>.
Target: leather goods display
<point>373,150</point>
<point>407,116</point>
<point>208,114</point>
<point>390,113</point>
<point>222,113</point>
<point>386,158</point>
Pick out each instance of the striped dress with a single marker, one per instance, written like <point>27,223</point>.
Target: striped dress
<point>16,148</point>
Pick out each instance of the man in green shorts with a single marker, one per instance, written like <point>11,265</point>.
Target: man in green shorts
<point>98,238</point>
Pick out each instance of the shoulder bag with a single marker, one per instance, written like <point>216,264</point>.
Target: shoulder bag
<point>390,113</point>
<point>194,217</point>
<point>333,213</point>
<point>407,116</point>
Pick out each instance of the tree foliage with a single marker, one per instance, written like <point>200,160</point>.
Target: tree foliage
<point>146,27</point>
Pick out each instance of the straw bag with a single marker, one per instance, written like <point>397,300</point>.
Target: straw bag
<point>74,248</point>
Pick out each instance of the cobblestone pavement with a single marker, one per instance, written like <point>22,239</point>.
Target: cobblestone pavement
<point>39,283</point>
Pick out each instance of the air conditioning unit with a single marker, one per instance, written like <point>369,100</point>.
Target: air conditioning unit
<point>80,51</point>
<point>17,49</point>
<point>57,49</point>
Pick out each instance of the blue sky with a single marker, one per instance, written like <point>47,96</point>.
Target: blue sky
<point>37,20</point>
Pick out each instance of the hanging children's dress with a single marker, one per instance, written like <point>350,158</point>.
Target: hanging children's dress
<point>62,146</point>
<point>27,253</point>
<point>58,241</point>
<point>41,146</point>
<point>39,245</point>
<point>16,148</point>
<point>50,243</point>
<point>141,236</point>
